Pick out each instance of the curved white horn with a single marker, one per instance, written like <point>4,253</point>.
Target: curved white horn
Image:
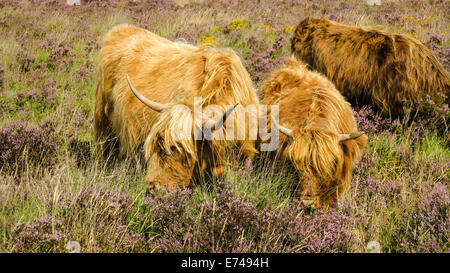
<point>345,137</point>
<point>283,130</point>
<point>158,107</point>
<point>286,131</point>
<point>219,123</point>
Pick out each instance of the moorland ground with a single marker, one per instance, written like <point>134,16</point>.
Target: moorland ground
<point>52,190</point>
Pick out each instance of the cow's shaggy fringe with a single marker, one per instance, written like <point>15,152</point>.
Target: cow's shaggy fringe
<point>371,67</point>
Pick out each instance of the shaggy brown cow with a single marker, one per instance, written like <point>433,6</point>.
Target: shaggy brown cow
<point>321,138</point>
<point>168,75</point>
<point>371,67</point>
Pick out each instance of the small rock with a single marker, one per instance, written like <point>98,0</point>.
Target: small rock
<point>73,247</point>
<point>373,2</point>
<point>73,2</point>
<point>373,247</point>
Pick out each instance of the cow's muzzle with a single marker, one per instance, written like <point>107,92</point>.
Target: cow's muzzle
<point>309,201</point>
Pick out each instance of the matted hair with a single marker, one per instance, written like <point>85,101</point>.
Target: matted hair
<point>372,67</point>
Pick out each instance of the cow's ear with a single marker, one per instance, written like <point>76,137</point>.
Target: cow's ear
<point>360,138</point>
<point>349,147</point>
<point>362,141</point>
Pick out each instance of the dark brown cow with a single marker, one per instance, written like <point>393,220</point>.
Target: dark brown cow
<point>371,67</point>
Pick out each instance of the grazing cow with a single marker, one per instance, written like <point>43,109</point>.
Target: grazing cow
<point>371,67</point>
<point>145,92</point>
<point>320,136</point>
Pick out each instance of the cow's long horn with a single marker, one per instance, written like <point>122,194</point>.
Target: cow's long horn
<point>286,131</point>
<point>219,123</point>
<point>158,107</point>
<point>345,137</point>
<point>283,130</point>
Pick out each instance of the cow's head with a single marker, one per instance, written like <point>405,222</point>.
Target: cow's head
<point>304,37</point>
<point>323,161</point>
<point>173,148</point>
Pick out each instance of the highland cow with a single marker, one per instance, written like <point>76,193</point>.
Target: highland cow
<point>320,135</point>
<point>145,93</point>
<point>391,72</point>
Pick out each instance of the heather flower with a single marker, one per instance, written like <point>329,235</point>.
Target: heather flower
<point>387,16</point>
<point>91,45</point>
<point>261,58</point>
<point>435,42</point>
<point>46,96</point>
<point>83,71</point>
<point>397,202</point>
<point>164,211</point>
<point>22,143</point>
<point>369,122</point>
<point>112,202</point>
<point>77,118</point>
<point>153,5</point>
<point>46,234</point>
<point>230,223</point>
<point>48,93</point>
<point>338,14</point>
<point>133,241</point>
<point>24,96</point>
<point>26,62</point>
<point>433,113</point>
<point>60,54</point>
<point>428,223</point>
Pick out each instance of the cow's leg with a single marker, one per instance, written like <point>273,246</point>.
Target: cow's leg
<point>106,143</point>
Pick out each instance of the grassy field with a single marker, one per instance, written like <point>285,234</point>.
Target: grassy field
<point>52,191</point>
